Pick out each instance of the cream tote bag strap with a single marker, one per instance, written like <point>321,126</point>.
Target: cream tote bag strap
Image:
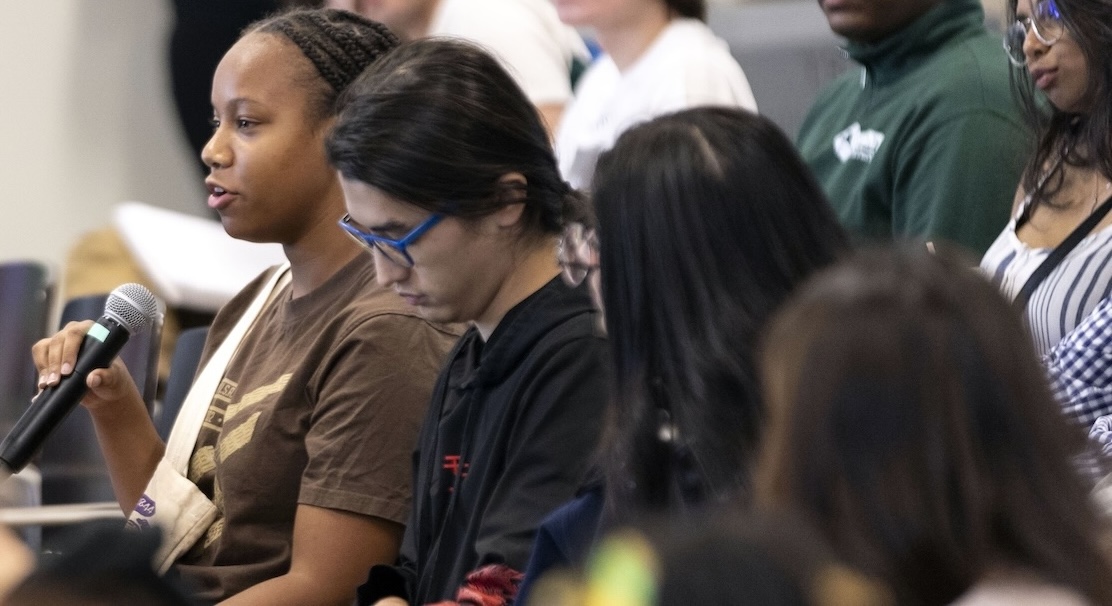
<point>183,436</point>
<point>171,501</point>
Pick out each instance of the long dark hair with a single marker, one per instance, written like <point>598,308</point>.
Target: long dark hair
<point>911,421</point>
<point>707,219</point>
<point>1083,140</point>
<point>437,124</point>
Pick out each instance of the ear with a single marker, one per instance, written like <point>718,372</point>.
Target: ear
<point>511,187</point>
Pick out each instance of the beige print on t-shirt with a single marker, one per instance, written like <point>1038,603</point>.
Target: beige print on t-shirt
<point>222,412</point>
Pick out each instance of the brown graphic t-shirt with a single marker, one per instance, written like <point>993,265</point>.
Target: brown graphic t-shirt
<point>320,405</point>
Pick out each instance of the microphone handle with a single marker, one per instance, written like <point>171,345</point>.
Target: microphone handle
<point>47,411</point>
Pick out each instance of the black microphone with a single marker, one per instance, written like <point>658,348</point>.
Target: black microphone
<point>128,310</point>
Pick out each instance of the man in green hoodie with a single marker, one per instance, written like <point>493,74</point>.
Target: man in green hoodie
<point>925,141</point>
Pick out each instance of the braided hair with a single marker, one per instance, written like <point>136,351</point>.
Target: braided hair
<point>339,44</point>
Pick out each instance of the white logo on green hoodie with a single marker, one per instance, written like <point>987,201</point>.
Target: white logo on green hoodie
<point>854,143</point>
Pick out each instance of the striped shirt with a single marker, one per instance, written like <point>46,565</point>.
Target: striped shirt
<point>1067,295</point>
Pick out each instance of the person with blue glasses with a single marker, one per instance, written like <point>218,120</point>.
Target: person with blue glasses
<point>1062,74</point>
<point>452,185</point>
<point>395,250</point>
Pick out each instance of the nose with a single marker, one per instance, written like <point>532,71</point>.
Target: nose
<point>1033,48</point>
<point>387,272</point>
<point>216,153</point>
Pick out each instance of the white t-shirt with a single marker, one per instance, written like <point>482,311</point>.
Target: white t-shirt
<point>527,36</point>
<point>686,66</point>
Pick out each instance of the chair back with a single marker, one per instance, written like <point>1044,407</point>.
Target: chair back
<point>26,292</point>
<point>183,368</point>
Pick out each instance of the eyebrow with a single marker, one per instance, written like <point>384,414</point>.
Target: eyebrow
<point>237,103</point>
<point>387,227</point>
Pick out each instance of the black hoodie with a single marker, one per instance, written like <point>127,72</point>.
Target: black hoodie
<point>509,432</point>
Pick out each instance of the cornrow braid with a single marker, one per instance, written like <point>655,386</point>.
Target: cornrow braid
<point>340,44</point>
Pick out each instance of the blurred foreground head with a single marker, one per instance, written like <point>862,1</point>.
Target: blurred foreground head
<point>707,219</point>
<point>101,564</point>
<point>910,420</point>
<point>731,557</point>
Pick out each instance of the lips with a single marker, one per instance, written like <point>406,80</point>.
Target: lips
<point>1044,78</point>
<point>219,196</point>
<point>411,299</point>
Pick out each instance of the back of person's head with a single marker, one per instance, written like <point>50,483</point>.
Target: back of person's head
<point>101,564</point>
<point>439,124</point>
<point>707,219</point>
<point>338,43</point>
<point>911,421</point>
<point>738,557</point>
<point>1082,138</point>
<point>729,557</point>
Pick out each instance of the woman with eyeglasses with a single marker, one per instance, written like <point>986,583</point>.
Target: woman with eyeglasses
<point>450,181</point>
<point>1063,74</point>
<point>706,220</point>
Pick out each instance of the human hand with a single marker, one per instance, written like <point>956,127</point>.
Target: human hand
<point>16,561</point>
<point>56,356</point>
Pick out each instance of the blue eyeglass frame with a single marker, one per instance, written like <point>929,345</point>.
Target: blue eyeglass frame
<point>372,241</point>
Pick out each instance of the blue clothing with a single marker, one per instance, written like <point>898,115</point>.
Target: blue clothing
<point>564,539</point>
<point>1080,367</point>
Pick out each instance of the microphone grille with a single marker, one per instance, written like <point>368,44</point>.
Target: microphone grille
<point>132,305</point>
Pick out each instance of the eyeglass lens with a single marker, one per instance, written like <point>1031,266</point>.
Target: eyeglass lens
<point>393,254</point>
<point>390,252</point>
<point>1045,21</point>
<point>576,254</point>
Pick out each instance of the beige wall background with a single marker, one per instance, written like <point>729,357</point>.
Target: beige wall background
<point>86,121</point>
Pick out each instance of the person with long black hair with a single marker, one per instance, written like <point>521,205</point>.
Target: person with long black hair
<point>707,219</point>
<point>451,182</point>
<point>1063,74</point>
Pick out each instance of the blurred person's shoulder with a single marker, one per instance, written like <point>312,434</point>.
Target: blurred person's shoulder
<point>1019,591</point>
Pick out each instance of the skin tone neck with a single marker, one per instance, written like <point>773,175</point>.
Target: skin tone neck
<point>536,265</point>
<point>318,254</point>
<point>418,27</point>
<point>627,39</point>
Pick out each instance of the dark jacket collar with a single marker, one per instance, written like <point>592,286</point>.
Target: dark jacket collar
<point>518,332</point>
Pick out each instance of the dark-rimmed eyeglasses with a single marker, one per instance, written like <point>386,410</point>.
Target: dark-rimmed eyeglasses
<point>1045,21</point>
<point>394,250</point>
<point>577,253</point>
